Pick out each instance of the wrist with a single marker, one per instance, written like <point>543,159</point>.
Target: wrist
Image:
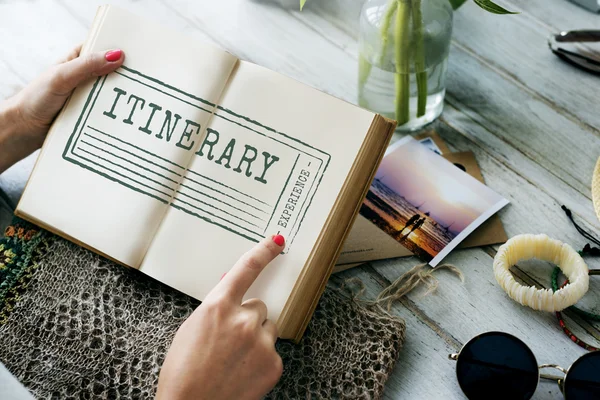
<point>15,143</point>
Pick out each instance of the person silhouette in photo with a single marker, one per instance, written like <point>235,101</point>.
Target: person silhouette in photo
<point>410,222</point>
<point>417,225</point>
<point>413,221</point>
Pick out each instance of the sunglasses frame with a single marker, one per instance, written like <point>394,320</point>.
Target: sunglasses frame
<point>579,60</point>
<point>561,381</point>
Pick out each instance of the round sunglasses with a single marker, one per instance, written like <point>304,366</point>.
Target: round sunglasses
<point>496,365</point>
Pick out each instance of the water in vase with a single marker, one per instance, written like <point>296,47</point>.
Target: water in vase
<point>402,42</point>
<point>378,93</point>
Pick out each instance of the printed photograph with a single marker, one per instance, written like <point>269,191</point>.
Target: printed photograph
<point>425,202</point>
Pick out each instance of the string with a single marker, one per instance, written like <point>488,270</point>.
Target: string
<point>580,312</point>
<point>582,231</point>
<point>419,275</point>
<point>587,249</point>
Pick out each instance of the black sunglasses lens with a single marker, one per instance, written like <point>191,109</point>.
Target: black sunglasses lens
<point>583,380</point>
<point>496,365</point>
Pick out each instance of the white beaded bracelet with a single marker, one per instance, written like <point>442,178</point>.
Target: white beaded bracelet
<point>524,247</point>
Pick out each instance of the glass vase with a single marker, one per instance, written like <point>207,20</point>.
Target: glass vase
<point>403,58</point>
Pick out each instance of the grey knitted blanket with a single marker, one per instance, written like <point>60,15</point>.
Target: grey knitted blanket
<point>74,325</point>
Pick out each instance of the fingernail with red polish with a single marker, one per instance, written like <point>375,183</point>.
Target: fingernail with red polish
<point>113,55</point>
<point>279,240</point>
<point>223,276</point>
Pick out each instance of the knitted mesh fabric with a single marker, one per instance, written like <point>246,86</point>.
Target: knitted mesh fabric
<point>79,326</point>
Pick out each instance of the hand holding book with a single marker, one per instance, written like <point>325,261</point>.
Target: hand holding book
<point>28,115</point>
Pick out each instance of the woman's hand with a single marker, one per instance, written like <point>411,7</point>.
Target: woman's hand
<point>26,117</point>
<point>226,348</point>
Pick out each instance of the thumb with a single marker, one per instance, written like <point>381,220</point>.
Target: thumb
<point>68,75</point>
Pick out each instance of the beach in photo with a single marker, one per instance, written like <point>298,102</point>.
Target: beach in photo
<point>425,202</point>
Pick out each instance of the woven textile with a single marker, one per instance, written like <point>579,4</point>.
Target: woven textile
<point>74,325</point>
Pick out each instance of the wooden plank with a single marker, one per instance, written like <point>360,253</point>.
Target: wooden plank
<point>476,136</point>
<point>528,142</point>
<point>27,53</point>
<point>296,51</point>
<point>556,15</point>
<point>343,14</point>
<point>10,81</point>
<point>290,51</point>
<point>159,11</point>
<point>533,206</point>
<point>529,125</point>
<point>516,47</point>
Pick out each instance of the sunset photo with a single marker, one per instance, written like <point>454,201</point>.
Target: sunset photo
<point>425,202</point>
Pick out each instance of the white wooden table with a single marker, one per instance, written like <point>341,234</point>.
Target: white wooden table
<point>532,121</point>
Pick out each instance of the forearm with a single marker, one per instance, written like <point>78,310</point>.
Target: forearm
<point>15,142</point>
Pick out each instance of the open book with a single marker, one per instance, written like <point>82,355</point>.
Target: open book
<point>180,161</point>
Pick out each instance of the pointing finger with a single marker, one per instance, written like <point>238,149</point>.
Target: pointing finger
<point>243,274</point>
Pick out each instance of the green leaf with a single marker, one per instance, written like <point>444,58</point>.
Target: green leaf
<point>302,3</point>
<point>489,5</point>
<point>456,3</point>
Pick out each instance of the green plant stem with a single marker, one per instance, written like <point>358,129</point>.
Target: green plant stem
<point>364,70</point>
<point>364,65</point>
<point>385,28</point>
<point>421,73</point>
<point>402,77</point>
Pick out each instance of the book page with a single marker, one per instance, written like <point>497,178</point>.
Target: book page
<point>274,159</point>
<point>115,156</point>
